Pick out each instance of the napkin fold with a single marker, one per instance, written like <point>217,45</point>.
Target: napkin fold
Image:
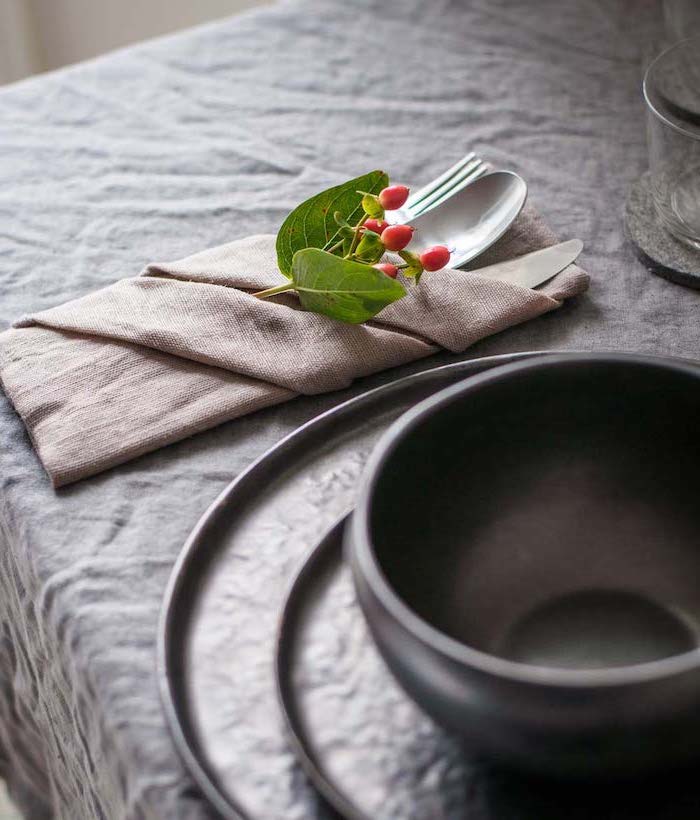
<point>185,346</point>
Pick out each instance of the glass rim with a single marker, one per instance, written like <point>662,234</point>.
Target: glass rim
<point>694,135</point>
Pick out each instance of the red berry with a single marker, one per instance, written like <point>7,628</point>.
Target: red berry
<point>435,258</point>
<point>388,269</point>
<point>396,237</point>
<point>393,197</point>
<point>376,225</point>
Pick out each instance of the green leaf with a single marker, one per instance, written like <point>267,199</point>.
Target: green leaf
<point>414,269</point>
<point>344,290</point>
<point>371,248</point>
<point>371,206</point>
<point>313,225</point>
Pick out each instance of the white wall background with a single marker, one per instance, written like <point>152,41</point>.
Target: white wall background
<point>38,35</point>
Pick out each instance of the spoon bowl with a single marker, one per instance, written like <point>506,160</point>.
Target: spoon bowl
<point>474,218</point>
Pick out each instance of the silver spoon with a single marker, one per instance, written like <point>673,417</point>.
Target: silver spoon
<point>474,218</point>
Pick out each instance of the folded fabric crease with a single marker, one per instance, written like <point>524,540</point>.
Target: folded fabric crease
<point>185,346</point>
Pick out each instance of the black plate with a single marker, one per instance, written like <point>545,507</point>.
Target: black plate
<point>369,751</point>
<point>219,621</point>
<point>374,756</point>
<point>216,651</point>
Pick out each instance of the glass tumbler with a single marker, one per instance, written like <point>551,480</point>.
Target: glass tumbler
<point>672,94</point>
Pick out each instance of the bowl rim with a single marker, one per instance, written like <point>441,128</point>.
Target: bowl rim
<point>363,550</point>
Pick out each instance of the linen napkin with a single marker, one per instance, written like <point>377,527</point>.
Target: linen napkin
<point>185,346</point>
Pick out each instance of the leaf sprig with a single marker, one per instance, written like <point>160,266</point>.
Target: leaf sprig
<point>329,252</point>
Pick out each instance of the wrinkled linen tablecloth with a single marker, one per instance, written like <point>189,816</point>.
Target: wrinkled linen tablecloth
<point>184,143</point>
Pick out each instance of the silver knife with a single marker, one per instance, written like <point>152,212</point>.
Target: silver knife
<point>534,268</point>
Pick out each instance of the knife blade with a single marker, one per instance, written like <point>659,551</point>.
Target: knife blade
<point>534,268</point>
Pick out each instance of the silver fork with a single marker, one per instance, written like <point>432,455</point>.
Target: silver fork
<point>458,176</point>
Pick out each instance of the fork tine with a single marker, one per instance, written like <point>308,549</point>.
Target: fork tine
<point>438,182</point>
<point>479,171</point>
<point>469,174</point>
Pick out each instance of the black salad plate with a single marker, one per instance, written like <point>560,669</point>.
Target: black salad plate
<point>218,641</point>
<point>374,756</point>
<point>363,743</point>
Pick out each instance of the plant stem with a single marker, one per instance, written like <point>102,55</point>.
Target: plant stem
<point>263,294</point>
<point>356,237</point>
<point>336,246</point>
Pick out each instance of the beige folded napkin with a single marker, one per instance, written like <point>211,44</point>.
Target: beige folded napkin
<point>185,346</point>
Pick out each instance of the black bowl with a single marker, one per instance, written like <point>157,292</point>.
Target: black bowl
<point>526,550</point>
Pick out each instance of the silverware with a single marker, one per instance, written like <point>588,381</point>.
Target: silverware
<point>449,183</point>
<point>534,268</point>
<point>472,218</point>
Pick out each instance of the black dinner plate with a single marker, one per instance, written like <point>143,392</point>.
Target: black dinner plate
<point>216,651</point>
<point>217,635</point>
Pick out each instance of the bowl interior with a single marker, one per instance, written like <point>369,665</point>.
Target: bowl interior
<point>550,514</point>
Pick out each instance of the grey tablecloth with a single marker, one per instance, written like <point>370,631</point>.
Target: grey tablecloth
<point>167,148</point>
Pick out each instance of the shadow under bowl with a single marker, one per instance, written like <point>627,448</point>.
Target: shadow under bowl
<point>526,549</point>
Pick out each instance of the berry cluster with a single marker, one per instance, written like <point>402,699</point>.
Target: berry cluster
<point>380,236</point>
<point>339,269</point>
